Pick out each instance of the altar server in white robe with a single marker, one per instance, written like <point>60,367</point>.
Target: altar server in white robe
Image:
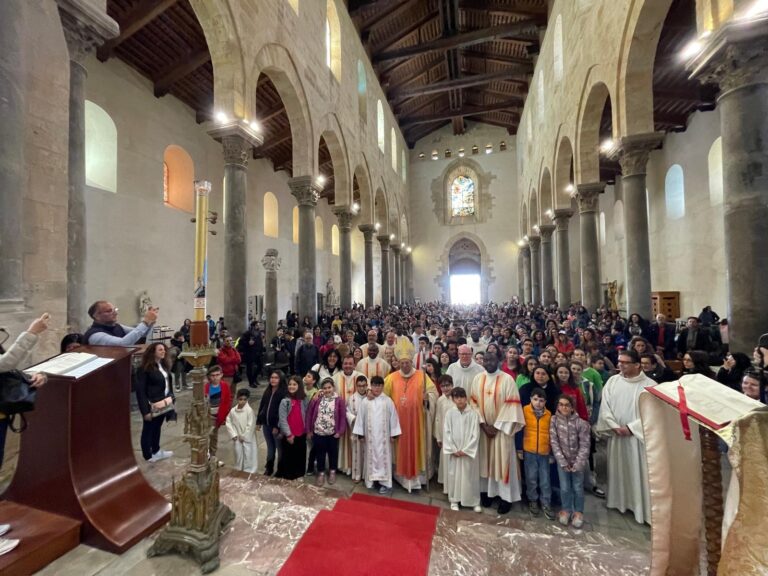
<point>619,420</point>
<point>494,395</point>
<point>354,403</point>
<point>461,435</point>
<point>241,424</point>
<point>444,403</point>
<point>464,371</point>
<point>378,424</point>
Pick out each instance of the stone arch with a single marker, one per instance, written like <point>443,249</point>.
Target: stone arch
<point>441,189</point>
<point>638,51</point>
<point>524,218</point>
<point>230,91</point>
<point>545,195</point>
<point>330,130</point>
<point>276,62</point>
<point>443,278</point>
<point>363,176</point>
<point>533,210</point>
<point>403,227</point>
<point>381,211</point>
<point>594,97</point>
<point>563,161</point>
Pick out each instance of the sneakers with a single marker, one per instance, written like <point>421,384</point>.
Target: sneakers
<point>533,508</point>
<point>578,520</point>
<point>548,512</point>
<point>332,477</point>
<point>563,517</point>
<point>7,545</point>
<point>320,479</point>
<point>4,529</point>
<point>600,493</point>
<point>455,506</point>
<point>383,490</point>
<point>478,509</point>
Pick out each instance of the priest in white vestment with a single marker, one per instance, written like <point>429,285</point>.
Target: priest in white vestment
<point>345,387</point>
<point>464,371</point>
<point>461,436</point>
<point>377,424</point>
<point>619,420</point>
<point>373,364</point>
<point>495,397</point>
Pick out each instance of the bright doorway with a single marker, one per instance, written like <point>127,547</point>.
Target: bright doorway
<point>465,288</point>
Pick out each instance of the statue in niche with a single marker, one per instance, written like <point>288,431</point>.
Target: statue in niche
<point>330,294</point>
<point>145,303</point>
<point>613,289</point>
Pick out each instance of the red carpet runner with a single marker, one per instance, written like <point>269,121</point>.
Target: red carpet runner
<point>366,535</point>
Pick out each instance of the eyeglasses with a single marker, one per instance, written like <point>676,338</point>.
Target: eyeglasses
<point>564,405</point>
<point>626,362</point>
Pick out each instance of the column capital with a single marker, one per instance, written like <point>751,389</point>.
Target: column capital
<point>305,190</point>
<point>237,138</point>
<point>587,195</point>
<point>546,232</point>
<point>561,217</point>
<point>525,250</point>
<point>396,248</point>
<point>384,241</point>
<point>85,27</point>
<point>633,152</point>
<point>271,261</point>
<point>344,217</point>
<point>534,242</point>
<point>367,230</point>
<point>734,56</point>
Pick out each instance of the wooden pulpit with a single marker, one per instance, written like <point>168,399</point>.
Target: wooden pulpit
<point>76,458</point>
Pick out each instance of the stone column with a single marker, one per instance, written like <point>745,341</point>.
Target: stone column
<point>398,273</point>
<point>85,27</point>
<point>520,275</point>
<point>345,256</point>
<point>407,277</point>
<point>736,57</point>
<point>237,140</point>
<point>562,215</point>
<point>547,276</point>
<point>535,244</point>
<point>307,192</point>
<point>271,263</point>
<point>367,230</point>
<point>384,242</point>
<point>526,253</point>
<point>588,199</point>
<point>633,155</point>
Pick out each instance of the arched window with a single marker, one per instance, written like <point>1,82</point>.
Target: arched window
<point>179,172</point>
<point>602,228</point>
<point>715,164</point>
<point>380,125</point>
<point>295,5</point>
<point>393,137</point>
<point>295,224</point>
<point>362,92</point>
<point>405,167</point>
<point>558,48</point>
<point>540,96</point>
<point>319,240</point>
<point>462,196</point>
<point>333,39</point>
<point>100,148</point>
<point>270,215</point>
<point>335,240</point>
<point>674,192</point>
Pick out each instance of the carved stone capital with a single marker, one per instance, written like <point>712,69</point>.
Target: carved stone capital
<point>271,261</point>
<point>396,249</point>
<point>305,190</point>
<point>526,252</point>
<point>236,150</point>
<point>85,27</point>
<point>345,219</point>
<point>367,230</point>
<point>534,242</point>
<point>384,242</point>
<point>238,139</point>
<point>561,218</point>
<point>734,56</point>
<point>546,231</point>
<point>588,196</point>
<point>633,152</point>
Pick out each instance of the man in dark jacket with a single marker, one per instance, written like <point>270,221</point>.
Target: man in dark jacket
<point>251,348</point>
<point>656,371</point>
<point>662,335</point>
<point>694,337</point>
<point>307,355</point>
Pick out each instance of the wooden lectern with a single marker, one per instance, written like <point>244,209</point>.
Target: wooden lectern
<point>76,458</point>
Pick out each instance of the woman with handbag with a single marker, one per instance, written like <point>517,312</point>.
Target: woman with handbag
<point>154,394</point>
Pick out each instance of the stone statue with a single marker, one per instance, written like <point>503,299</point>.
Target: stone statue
<point>145,303</point>
<point>330,294</point>
<point>613,288</point>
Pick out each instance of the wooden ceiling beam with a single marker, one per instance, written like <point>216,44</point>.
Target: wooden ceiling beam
<point>405,32</point>
<point>179,70</point>
<point>464,111</point>
<point>279,138</point>
<point>525,64</point>
<point>393,12</point>
<point>489,6</point>
<point>136,19</point>
<point>456,84</point>
<point>457,41</point>
<point>428,67</point>
<point>354,6</point>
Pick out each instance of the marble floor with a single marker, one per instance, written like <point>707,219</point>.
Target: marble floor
<point>272,514</point>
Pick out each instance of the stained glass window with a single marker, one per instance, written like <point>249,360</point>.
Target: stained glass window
<point>463,196</point>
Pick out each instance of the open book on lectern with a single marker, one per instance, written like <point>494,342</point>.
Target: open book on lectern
<point>70,364</point>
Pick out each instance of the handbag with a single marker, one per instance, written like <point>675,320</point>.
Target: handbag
<point>162,406</point>
<point>16,397</point>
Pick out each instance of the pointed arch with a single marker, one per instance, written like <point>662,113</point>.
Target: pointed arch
<point>330,130</point>
<point>381,211</point>
<point>443,278</point>
<point>363,176</point>
<point>563,177</point>
<point>380,131</point>
<point>533,209</point>
<point>593,101</point>
<point>546,200</point>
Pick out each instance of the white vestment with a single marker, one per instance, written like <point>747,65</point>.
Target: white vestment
<point>463,377</point>
<point>357,445</point>
<point>377,421</point>
<point>444,404</point>
<point>376,367</point>
<point>627,465</point>
<point>345,388</point>
<point>242,423</point>
<point>497,401</point>
<point>462,476</point>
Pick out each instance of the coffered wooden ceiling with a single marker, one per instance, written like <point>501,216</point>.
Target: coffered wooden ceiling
<point>441,61</point>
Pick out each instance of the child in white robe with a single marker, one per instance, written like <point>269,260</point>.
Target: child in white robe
<point>378,424</point>
<point>461,436</point>
<point>241,423</point>
<point>354,402</point>
<point>444,403</point>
